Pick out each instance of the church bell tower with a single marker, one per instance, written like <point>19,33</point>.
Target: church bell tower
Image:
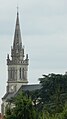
<point>18,63</point>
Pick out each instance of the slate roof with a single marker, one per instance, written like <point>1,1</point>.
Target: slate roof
<point>7,96</point>
<point>30,87</point>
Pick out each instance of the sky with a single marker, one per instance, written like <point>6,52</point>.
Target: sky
<point>44,34</point>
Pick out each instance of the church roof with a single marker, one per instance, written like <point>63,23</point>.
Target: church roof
<point>30,87</point>
<point>8,96</point>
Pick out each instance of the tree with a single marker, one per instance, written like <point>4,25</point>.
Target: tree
<point>53,93</point>
<point>22,108</point>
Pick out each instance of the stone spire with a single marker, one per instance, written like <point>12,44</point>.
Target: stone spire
<point>17,50</point>
<point>17,36</point>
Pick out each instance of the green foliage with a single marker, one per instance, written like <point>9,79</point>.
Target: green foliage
<point>22,109</point>
<point>53,93</point>
<point>64,113</point>
<point>9,113</point>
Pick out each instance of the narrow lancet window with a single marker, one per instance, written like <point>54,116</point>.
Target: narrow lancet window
<point>11,73</point>
<point>20,73</point>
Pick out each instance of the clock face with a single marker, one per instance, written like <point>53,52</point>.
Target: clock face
<point>12,87</point>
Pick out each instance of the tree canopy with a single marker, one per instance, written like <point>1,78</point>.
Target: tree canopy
<point>54,91</point>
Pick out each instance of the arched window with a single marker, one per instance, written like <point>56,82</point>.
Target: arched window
<point>20,73</point>
<point>12,73</point>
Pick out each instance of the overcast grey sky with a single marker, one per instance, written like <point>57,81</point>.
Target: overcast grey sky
<point>44,33</point>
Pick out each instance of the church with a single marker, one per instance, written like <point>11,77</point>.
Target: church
<point>17,69</point>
